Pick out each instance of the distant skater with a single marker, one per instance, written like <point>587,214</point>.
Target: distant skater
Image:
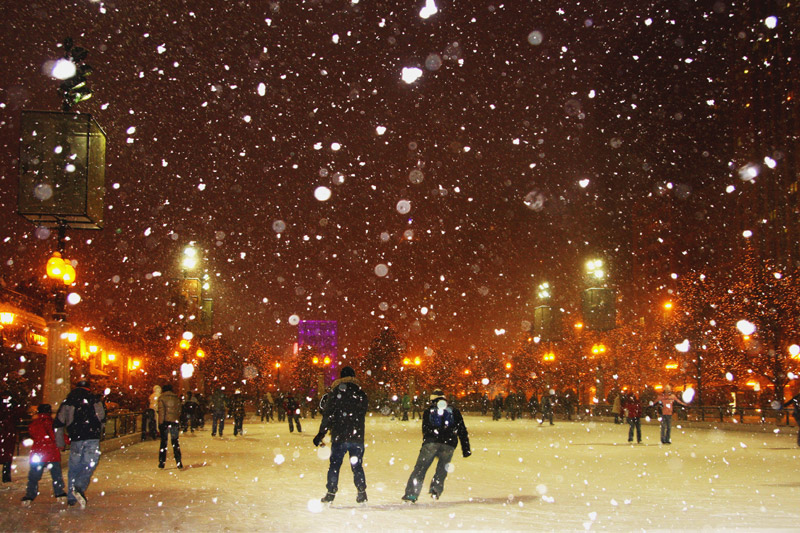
<point>668,401</point>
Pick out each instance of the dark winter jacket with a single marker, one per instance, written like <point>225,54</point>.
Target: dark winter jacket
<point>44,448</point>
<point>83,416</point>
<point>292,407</point>
<point>345,411</point>
<point>9,415</point>
<point>446,428</point>
<point>219,402</point>
<point>796,412</point>
<point>237,406</point>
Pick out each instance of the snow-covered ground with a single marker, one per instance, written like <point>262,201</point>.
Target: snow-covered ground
<point>521,476</point>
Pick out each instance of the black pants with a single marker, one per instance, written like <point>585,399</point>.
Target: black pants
<point>238,422</point>
<point>149,425</point>
<point>172,430</point>
<point>6,472</point>
<point>635,423</point>
<point>296,419</point>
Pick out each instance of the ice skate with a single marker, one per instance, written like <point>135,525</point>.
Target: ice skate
<point>328,499</point>
<point>409,498</point>
<point>362,497</point>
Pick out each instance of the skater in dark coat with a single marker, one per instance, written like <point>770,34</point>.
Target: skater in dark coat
<point>795,401</point>
<point>9,416</point>
<point>293,414</point>
<point>343,414</point>
<point>442,429</point>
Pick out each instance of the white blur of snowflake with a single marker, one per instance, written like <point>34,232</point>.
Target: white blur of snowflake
<point>315,505</point>
<point>688,395</point>
<point>381,270</point>
<point>583,183</point>
<point>411,74</point>
<point>534,201</point>
<point>403,207</point>
<point>322,193</point>
<point>324,453</point>
<point>294,320</point>
<point>279,459</point>
<point>771,22</point>
<point>683,346</point>
<point>535,37</point>
<point>62,69</point>
<point>485,381</point>
<point>746,327</point>
<point>499,332</point>
<point>73,298</point>
<point>429,10</point>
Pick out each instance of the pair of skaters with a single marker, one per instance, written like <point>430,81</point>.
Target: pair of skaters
<point>344,410</point>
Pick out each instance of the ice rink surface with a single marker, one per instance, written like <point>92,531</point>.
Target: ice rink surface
<point>573,476</point>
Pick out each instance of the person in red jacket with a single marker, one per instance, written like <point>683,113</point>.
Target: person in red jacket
<point>45,455</point>
<point>633,413</point>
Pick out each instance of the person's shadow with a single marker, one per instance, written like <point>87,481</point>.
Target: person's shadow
<point>438,504</point>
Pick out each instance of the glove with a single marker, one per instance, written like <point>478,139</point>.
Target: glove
<point>318,440</point>
<point>466,453</point>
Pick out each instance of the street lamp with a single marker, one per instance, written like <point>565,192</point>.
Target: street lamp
<point>544,291</point>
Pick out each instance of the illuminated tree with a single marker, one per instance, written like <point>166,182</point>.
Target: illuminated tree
<point>765,295</point>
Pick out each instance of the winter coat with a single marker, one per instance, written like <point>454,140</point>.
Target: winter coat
<point>44,448</point>
<point>450,432</point>
<point>153,399</point>
<point>219,402</point>
<point>345,411</point>
<point>292,407</point>
<point>169,407</point>
<point>406,402</point>
<point>616,409</point>
<point>237,406</point>
<point>547,404</point>
<point>796,411</point>
<point>9,417</point>
<point>632,408</point>
<point>82,414</point>
<point>668,400</point>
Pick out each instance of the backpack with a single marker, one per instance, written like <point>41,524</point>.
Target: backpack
<point>442,418</point>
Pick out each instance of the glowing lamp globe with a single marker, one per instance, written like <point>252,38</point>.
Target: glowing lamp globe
<point>68,274</point>
<point>55,266</point>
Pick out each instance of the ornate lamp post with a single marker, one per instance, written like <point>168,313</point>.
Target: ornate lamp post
<point>61,185</point>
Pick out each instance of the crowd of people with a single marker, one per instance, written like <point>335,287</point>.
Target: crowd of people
<point>79,424</point>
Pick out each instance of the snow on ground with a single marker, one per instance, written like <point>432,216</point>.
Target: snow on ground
<point>521,477</point>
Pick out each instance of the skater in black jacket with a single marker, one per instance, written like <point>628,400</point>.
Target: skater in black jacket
<point>343,413</point>
<point>442,429</point>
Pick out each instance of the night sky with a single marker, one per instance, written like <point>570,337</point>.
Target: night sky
<point>534,133</point>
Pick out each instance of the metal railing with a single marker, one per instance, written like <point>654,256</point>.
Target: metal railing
<point>118,424</point>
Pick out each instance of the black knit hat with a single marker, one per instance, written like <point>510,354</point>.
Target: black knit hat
<point>44,408</point>
<point>347,372</point>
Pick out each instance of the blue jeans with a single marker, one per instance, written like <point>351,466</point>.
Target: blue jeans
<point>338,450</point>
<point>83,458</point>
<point>666,427</point>
<point>173,430</point>
<point>217,417</point>
<point>429,452</point>
<point>35,474</point>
